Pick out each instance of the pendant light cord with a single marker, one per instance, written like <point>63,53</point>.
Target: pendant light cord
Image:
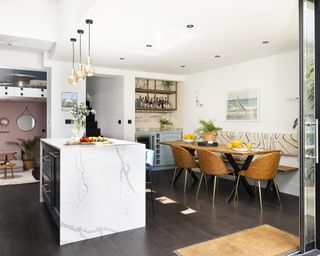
<point>89,44</point>
<point>80,49</point>
<point>73,55</point>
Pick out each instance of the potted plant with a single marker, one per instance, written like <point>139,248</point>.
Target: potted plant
<point>208,130</point>
<point>164,123</point>
<point>28,147</point>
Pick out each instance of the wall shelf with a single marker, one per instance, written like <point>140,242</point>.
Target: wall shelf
<point>154,110</point>
<point>146,87</point>
<point>152,91</point>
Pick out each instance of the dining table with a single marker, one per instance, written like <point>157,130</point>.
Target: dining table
<point>230,154</point>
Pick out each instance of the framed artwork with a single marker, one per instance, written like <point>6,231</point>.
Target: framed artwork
<point>243,105</point>
<point>68,99</point>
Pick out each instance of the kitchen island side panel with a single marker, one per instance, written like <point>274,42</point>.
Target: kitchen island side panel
<point>102,190</point>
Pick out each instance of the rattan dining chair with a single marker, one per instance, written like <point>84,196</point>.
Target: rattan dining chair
<point>182,159</point>
<point>211,164</point>
<point>264,168</point>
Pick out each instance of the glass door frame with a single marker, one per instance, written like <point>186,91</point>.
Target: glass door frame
<point>306,246</point>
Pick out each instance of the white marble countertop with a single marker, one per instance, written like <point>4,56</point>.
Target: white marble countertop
<point>60,143</point>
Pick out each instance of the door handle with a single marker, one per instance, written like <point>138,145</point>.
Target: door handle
<point>316,144</point>
<point>310,157</point>
<point>317,141</point>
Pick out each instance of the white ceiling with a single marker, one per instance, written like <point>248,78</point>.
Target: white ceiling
<point>233,29</point>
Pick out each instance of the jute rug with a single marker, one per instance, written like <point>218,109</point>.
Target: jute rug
<point>263,240</point>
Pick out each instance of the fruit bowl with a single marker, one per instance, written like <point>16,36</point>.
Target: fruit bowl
<point>188,140</point>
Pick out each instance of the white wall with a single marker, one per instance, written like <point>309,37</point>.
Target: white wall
<point>58,83</point>
<point>108,100</point>
<point>277,77</point>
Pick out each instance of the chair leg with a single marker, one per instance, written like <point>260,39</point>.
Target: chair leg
<point>214,189</point>
<point>277,191</point>
<point>206,181</point>
<point>260,198</point>
<point>201,177</point>
<point>174,175</point>
<point>185,180</point>
<point>151,193</point>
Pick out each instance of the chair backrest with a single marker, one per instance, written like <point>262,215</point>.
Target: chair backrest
<point>211,163</point>
<point>264,167</point>
<point>149,157</point>
<point>183,158</point>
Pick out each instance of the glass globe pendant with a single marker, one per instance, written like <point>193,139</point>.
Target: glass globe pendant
<point>89,67</point>
<point>80,72</point>
<point>73,78</point>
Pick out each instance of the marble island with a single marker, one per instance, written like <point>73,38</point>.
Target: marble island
<point>93,190</point>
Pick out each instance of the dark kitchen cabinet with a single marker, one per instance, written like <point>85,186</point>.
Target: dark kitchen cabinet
<point>51,180</point>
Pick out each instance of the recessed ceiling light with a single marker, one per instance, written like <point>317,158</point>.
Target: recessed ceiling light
<point>121,58</point>
<point>190,26</point>
<point>183,66</point>
<point>149,45</point>
<point>217,56</point>
<point>10,44</point>
<point>265,42</point>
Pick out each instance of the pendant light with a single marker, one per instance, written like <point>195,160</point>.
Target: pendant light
<point>80,73</point>
<point>89,67</point>
<point>73,78</point>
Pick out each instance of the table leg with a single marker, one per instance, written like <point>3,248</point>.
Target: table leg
<point>5,172</point>
<point>12,172</point>
<point>195,178</point>
<point>243,180</point>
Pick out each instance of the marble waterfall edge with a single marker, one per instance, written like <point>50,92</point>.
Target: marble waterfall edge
<point>102,190</point>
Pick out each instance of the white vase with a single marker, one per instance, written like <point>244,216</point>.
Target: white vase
<point>78,129</point>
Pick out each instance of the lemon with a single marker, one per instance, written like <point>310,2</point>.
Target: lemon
<point>229,146</point>
<point>249,146</point>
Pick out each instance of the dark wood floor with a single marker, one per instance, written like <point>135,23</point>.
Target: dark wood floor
<point>26,228</point>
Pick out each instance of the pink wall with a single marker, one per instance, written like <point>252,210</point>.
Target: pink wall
<point>12,110</point>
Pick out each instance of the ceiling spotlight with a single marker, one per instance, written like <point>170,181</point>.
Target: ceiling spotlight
<point>190,26</point>
<point>183,66</point>
<point>10,44</point>
<point>265,42</point>
<point>121,58</point>
<point>217,56</point>
<point>149,45</point>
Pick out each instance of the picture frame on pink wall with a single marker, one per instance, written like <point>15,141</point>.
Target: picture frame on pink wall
<point>4,123</point>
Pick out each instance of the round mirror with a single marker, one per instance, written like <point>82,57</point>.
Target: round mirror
<point>26,122</point>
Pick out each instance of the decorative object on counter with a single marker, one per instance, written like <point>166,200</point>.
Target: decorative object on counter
<point>73,78</point>
<point>4,122</point>
<point>165,124</point>
<point>167,85</point>
<point>88,69</point>
<point>26,122</point>
<point>28,147</point>
<point>208,130</point>
<point>79,114</point>
<point>89,141</point>
<point>189,138</point>
<point>68,100</point>
<point>243,105</point>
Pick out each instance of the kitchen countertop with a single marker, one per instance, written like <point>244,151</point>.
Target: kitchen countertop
<point>60,143</point>
<point>156,130</point>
